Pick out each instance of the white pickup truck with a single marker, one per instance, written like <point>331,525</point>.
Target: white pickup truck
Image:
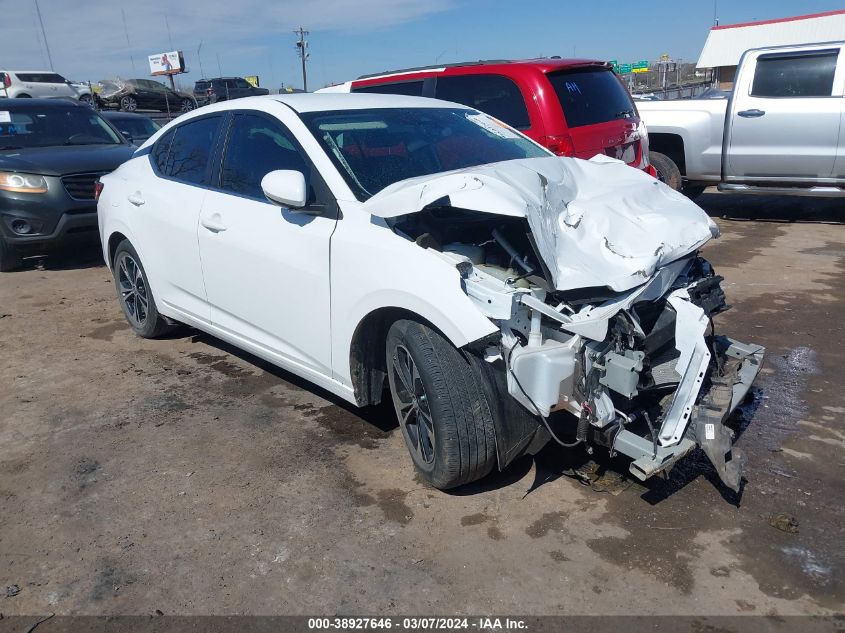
<point>779,131</point>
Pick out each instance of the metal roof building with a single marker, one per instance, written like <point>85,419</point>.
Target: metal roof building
<point>726,44</point>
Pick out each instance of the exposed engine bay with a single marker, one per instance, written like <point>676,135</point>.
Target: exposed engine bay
<point>640,372</point>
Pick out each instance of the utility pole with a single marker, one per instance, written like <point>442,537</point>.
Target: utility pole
<point>302,47</point>
<point>199,59</point>
<point>44,33</point>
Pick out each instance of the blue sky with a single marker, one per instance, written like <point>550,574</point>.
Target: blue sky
<point>349,38</point>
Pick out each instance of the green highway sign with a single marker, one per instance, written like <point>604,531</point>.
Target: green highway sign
<point>624,69</point>
<point>641,64</point>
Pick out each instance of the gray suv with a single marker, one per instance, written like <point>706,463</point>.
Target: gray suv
<point>224,88</point>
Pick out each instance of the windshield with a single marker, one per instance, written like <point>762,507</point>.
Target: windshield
<point>47,126</point>
<point>590,96</point>
<point>375,148</point>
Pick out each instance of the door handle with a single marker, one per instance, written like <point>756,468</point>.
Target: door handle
<point>136,198</point>
<point>213,224</point>
<point>751,114</point>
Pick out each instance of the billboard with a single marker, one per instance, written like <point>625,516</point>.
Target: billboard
<point>171,63</point>
<point>252,80</point>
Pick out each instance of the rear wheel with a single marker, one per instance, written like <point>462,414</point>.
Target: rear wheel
<point>187,105</point>
<point>24,96</point>
<point>86,99</point>
<point>667,170</point>
<point>128,103</point>
<point>9,260</point>
<point>441,405</point>
<point>136,297</point>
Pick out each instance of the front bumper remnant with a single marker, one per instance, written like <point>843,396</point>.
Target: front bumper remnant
<point>731,372</point>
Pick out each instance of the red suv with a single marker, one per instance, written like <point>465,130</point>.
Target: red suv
<point>575,107</point>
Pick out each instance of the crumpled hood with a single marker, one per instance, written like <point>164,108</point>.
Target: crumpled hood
<point>596,222</point>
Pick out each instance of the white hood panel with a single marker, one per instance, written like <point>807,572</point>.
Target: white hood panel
<point>596,222</point>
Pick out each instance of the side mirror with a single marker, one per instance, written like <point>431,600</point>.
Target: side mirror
<point>128,137</point>
<point>285,187</point>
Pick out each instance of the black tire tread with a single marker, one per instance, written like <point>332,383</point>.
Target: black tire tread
<point>466,417</point>
<point>667,168</point>
<point>159,325</point>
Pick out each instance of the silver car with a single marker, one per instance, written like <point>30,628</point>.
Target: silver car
<point>37,84</point>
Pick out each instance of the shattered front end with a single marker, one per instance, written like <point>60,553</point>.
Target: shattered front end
<point>640,372</point>
<point>591,271</point>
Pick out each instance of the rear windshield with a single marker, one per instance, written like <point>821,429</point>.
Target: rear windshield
<point>41,78</point>
<point>48,126</point>
<point>136,127</point>
<point>591,96</point>
<point>201,85</point>
<point>375,148</point>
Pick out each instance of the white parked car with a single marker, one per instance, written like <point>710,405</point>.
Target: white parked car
<point>38,84</point>
<point>502,295</point>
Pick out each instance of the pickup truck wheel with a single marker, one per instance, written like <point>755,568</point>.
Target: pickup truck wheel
<point>667,170</point>
<point>8,259</point>
<point>136,297</point>
<point>442,409</point>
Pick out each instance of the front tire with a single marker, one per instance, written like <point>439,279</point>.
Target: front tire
<point>443,412</point>
<point>187,105</point>
<point>136,297</point>
<point>87,100</point>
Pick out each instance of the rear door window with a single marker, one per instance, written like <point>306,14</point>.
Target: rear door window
<point>407,88</point>
<point>495,95</point>
<point>795,75</point>
<point>591,96</point>
<point>191,149</point>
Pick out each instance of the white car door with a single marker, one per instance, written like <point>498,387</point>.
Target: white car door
<point>785,116</point>
<point>167,208</point>
<point>266,268</point>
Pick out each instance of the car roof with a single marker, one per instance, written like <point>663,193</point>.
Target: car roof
<point>543,64</point>
<point>327,101</point>
<point>317,102</point>
<point>25,104</point>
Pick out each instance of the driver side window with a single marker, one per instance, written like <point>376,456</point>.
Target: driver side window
<point>257,145</point>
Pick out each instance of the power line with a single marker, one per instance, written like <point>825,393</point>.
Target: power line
<point>128,44</point>
<point>44,33</point>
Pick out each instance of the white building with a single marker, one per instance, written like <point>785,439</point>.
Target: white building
<point>726,43</point>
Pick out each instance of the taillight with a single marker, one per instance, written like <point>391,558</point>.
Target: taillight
<point>561,145</point>
<point>209,92</point>
<point>7,80</point>
<point>651,171</point>
<point>98,189</point>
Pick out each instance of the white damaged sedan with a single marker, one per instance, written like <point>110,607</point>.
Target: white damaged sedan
<point>505,297</point>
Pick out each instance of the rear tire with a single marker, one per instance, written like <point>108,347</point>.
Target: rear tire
<point>128,103</point>
<point>667,170</point>
<point>443,412</point>
<point>187,105</point>
<point>136,297</point>
<point>9,260</point>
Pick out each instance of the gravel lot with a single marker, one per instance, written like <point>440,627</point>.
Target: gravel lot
<point>185,476</point>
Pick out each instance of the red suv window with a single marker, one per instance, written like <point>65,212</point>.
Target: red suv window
<point>495,95</point>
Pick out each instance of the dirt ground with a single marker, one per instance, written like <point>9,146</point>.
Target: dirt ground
<point>187,477</point>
